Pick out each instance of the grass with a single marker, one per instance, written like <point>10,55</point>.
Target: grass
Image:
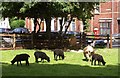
<point>72,65</point>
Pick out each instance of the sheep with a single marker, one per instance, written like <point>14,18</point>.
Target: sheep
<point>88,51</point>
<point>99,58</point>
<point>42,55</point>
<point>19,58</point>
<point>58,52</point>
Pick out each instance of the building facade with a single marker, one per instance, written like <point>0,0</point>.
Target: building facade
<point>106,19</point>
<point>4,23</point>
<point>76,25</point>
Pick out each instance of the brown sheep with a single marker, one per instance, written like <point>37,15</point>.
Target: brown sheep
<point>42,55</point>
<point>60,53</point>
<point>99,58</point>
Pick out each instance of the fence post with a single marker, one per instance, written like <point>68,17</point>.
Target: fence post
<point>80,41</point>
<point>110,40</point>
<point>32,42</point>
<point>84,40</point>
<point>107,40</point>
<point>14,41</point>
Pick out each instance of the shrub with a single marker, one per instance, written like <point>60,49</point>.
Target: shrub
<point>17,23</point>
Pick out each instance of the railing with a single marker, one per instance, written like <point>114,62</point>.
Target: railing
<point>83,39</point>
<point>11,40</point>
<point>31,41</point>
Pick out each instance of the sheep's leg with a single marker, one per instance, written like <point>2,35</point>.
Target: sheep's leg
<point>92,62</point>
<point>56,57</point>
<point>87,57</point>
<point>17,63</point>
<point>98,62</point>
<point>42,60</point>
<point>27,62</point>
<point>59,57</point>
<point>95,62</point>
<point>36,59</point>
<point>20,63</point>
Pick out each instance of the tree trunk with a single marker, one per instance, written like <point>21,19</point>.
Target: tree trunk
<point>48,27</point>
<point>39,25</point>
<point>69,22</point>
<point>84,23</point>
<point>35,24</point>
<point>61,26</point>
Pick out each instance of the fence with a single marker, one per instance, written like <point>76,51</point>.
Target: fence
<point>12,41</point>
<point>30,41</point>
<point>84,39</point>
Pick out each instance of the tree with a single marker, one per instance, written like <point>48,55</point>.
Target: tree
<point>46,10</point>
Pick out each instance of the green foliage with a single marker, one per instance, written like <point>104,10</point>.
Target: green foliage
<point>51,9</point>
<point>11,9</point>
<point>81,10</point>
<point>87,25</point>
<point>17,23</point>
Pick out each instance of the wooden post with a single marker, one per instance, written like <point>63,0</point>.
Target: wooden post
<point>32,42</point>
<point>108,40</point>
<point>84,40</point>
<point>80,41</point>
<point>14,41</point>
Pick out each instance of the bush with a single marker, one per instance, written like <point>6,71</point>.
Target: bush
<point>17,23</point>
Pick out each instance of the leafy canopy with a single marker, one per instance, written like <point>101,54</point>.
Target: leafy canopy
<point>48,9</point>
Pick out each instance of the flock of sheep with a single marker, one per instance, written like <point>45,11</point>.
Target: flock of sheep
<point>89,54</point>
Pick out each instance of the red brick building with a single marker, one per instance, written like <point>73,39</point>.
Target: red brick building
<point>76,25</point>
<point>107,18</point>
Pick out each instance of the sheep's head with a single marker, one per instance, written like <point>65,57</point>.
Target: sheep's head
<point>103,63</point>
<point>48,59</point>
<point>12,62</point>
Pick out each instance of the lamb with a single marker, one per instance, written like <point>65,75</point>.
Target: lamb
<point>21,57</point>
<point>88,51</point>
<point>60,53</point>
<point>42,55</point>
<point>99,58</point>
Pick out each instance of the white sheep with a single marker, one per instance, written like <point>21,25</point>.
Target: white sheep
<point>88,51</point>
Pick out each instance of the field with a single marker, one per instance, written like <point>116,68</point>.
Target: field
<point>72,65</point>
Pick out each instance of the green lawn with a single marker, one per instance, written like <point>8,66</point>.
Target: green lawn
<point>72,65</point>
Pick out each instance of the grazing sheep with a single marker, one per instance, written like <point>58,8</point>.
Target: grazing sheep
<point>42,55</point>
<point>60,53</point>
<point>19,58</point>
<point>88,51</point>
<point>99,58</point>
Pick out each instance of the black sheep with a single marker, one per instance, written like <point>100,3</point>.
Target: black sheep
<point>60,53</point>
<point>42,55</point>
<point>99,58</point>
<point>21,57</point>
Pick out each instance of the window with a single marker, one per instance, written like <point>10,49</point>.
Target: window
<point>104,28</point>
<point>73,25</point>
<point>97,9</point>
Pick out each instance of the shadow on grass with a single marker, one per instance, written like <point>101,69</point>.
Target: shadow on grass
<point>59,70</point>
